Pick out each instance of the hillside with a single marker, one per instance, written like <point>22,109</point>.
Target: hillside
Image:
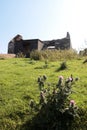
<point>18,85</point>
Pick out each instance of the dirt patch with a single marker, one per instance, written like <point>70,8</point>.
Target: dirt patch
<point>7,55</point>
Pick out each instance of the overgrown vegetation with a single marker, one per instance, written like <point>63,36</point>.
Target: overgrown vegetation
<point>18,86</point>
<point>53,55</point>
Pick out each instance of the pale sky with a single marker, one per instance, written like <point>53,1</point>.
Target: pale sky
<point>43,19</point>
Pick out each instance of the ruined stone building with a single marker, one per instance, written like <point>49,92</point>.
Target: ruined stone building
<point>83,52</point>
<point>18,44</point>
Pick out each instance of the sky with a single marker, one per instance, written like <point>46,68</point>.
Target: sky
<point>44,20</point>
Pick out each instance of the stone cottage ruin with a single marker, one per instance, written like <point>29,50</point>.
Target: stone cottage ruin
<point>19,45</point>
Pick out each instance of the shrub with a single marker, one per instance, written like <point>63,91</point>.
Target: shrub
<point>63,66</point>
<point>85,61</point>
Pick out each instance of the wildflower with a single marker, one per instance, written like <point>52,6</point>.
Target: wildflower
<point>61,77</point>
<point>60,82</point>
<point>42,97</point>
<point>72,103</point>
<point>70,79</point>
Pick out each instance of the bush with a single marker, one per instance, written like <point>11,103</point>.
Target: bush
<point>63,66</point>
<point>85,61</point>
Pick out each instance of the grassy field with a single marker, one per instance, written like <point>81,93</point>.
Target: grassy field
<point>18,84</point>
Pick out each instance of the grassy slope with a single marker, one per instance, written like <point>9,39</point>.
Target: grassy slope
<point>18,83</point>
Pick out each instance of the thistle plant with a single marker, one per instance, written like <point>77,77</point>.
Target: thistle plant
<point>57,112</point>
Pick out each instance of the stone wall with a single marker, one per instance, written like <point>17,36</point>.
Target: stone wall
<point>60,44</point>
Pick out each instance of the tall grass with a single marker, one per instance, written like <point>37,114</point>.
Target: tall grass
<point>53,55</point>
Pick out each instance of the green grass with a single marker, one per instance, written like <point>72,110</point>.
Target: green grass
<point>18,84</point>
